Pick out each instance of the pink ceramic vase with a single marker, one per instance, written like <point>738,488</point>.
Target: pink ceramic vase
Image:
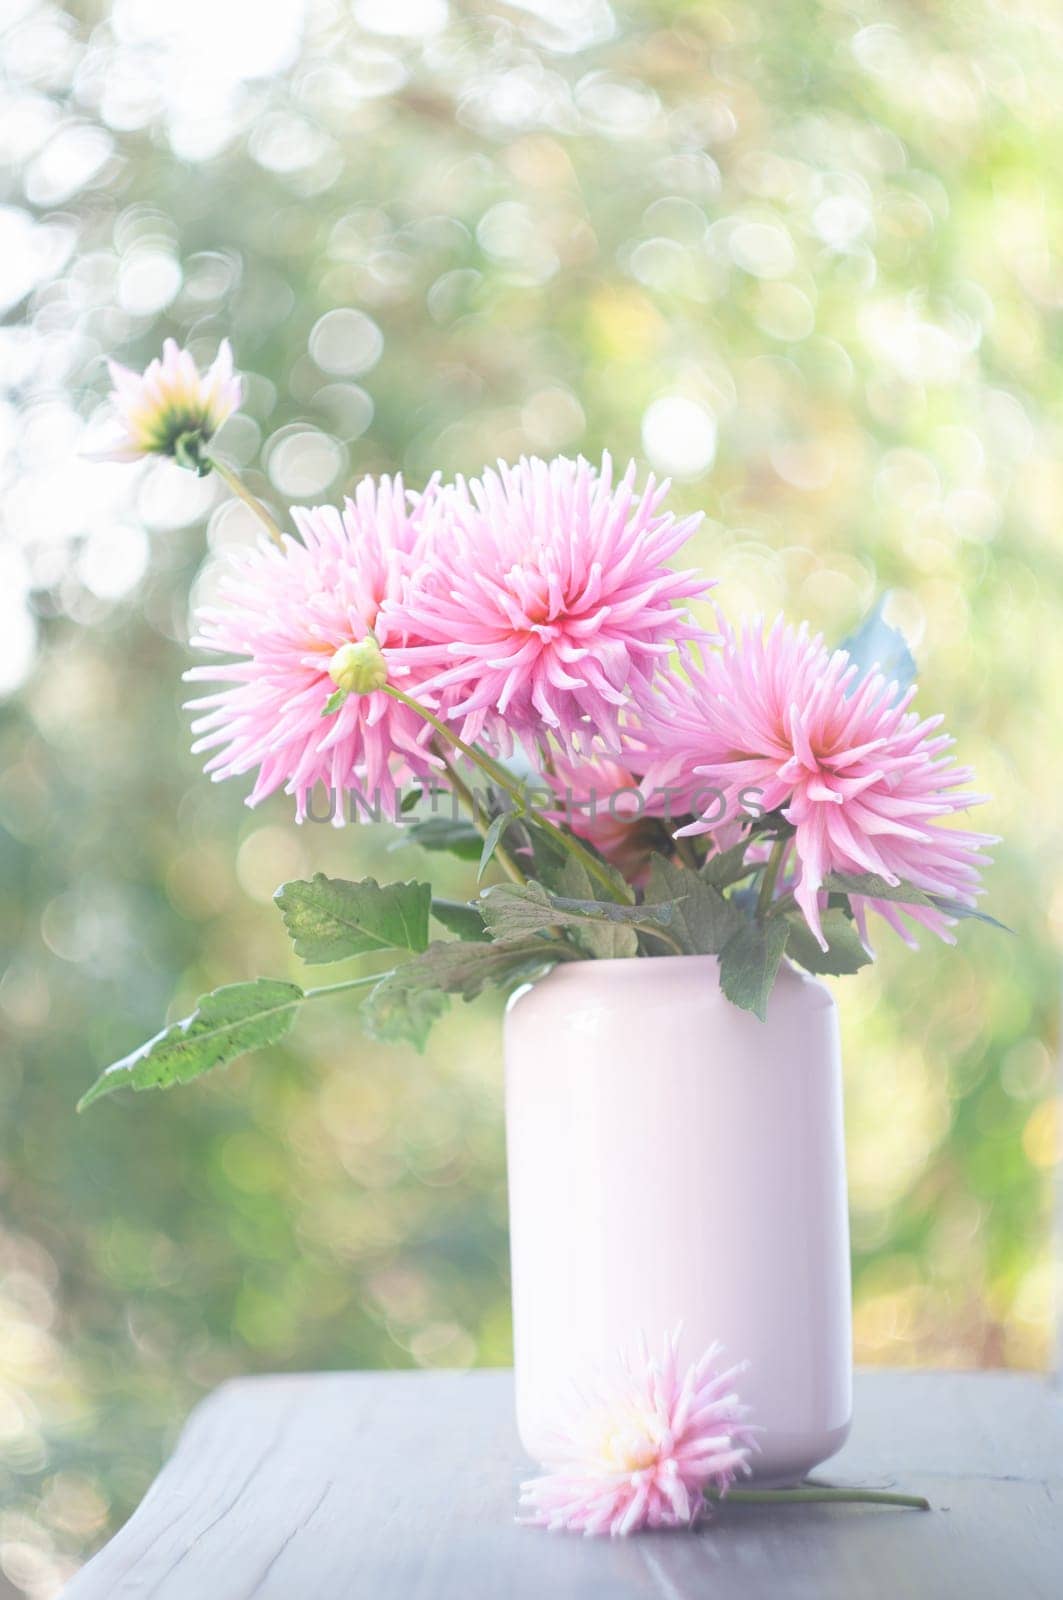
<point>674,1160</point>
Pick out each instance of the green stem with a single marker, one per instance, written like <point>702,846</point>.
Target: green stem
<point>501,777</point>
<point>686,853</point>
<point>232,481</point>
<point>326,989</point>
<point>810,1494</point>
<point>472,810</point>
<point>771,873</point>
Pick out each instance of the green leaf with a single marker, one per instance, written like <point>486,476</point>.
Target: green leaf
<point>726,866</point>
<point>703,920</point>
<point>333,703</point>
<point>398,1012</point>
<point>749,962</point>
<point>224,1025</point>
<point>513,912</point>
<point>877,646</point>
<point>405,1004</point>
<point>329,919</point>
<point>550,859</point>
<point>490,844</point>
<point>602,942</point>
<point>873,887</point>
<point>462,919</point>
<point>444,833</point>
<point>563,873</point>
<point>845,952</point>
<point>957,909</point>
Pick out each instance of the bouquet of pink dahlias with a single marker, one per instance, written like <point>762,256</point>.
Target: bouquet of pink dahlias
<point>508,668</point>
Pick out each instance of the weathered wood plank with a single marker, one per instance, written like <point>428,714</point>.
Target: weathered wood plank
<point>402,1486</point>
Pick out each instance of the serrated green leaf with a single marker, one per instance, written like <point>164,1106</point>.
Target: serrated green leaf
<point>329,919</point>
<point>563,873</point>
<point>726,866</point>
<point>703,920</point>
<point>406,1003</point>
<point>402,1013</point>
<point>749,962</point>
<point>606,941</point>
<point>462,919</point>
<point>512,912</point>
<point>574,871</point>
<point>845,952</point>
<point>225,1024</point>
<point>444,833</point>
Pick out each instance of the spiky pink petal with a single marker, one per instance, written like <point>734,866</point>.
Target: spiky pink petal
<point>284,613</point>
<point>865,781</point>
<point>550,606</point>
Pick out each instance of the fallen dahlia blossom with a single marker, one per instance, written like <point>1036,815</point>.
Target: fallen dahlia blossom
<point>172,409</point>
<point>865,782</point>
<point>548,604</point>
<point>289,615</point>
<point>641,1447</point>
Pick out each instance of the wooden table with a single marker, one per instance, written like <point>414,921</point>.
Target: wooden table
<point>402,1486</point>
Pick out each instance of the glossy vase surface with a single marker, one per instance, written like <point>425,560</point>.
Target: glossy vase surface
<point>673,1160</point>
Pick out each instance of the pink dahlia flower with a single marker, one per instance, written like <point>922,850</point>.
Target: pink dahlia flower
<point>172,409</point>
<point>548,603</point>
<point>285,613</point>
<point>640,1448</point>
<point>599,797</point>
<point>777,722</point>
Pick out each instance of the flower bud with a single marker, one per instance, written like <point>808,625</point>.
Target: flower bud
<point>359,668</point>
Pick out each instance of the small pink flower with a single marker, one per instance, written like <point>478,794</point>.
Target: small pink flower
<point>285,614</point>
<point>639,1448</point>
<point>546,603</point>
<point>865,782</point>
<point>172,409</point>
<point>599,798</point>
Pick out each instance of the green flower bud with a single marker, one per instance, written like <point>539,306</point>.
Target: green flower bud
<point>359,668</point>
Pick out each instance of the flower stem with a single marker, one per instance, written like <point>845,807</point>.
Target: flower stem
<point>232,480</point>
<point>771,873</point>
<point>472,811</point>
<point>498,775</point>
<point>811,1494</point>
<point>326,989</point>
<point>685,852</point>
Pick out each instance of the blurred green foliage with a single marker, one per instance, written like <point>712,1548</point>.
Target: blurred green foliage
<point>805,256</point>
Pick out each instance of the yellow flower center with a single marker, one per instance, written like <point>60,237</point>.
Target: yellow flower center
<point>631,1442</point>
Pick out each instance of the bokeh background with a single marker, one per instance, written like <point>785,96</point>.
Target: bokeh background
<point>806,258</point>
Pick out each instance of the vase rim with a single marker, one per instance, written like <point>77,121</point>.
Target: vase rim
<point>664,968</point>
<point>615,965</point>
